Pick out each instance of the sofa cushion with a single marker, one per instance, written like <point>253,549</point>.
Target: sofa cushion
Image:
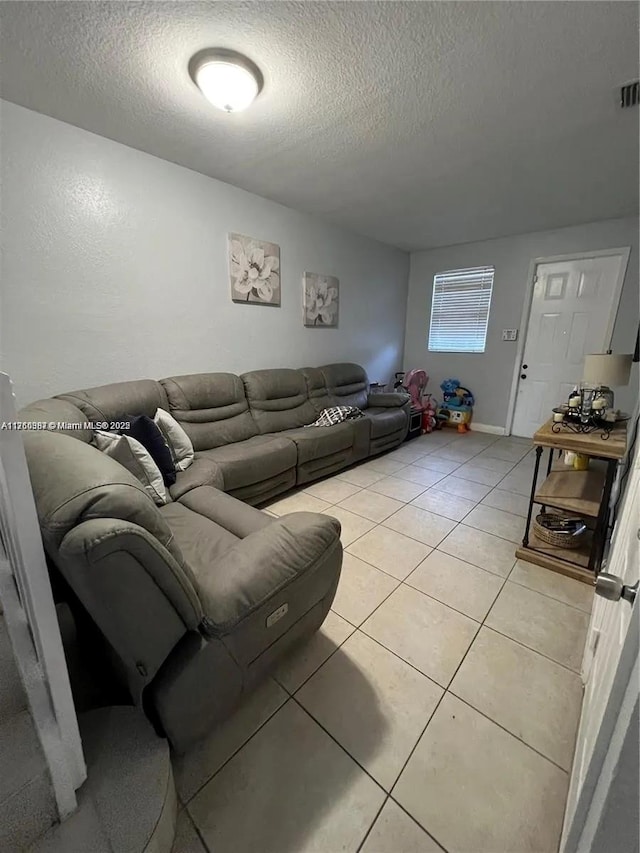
<point>252,461</point>
<point>317,442</point>
<point>236,517</point>
<point>385,421</point>
<point>347,383</point>
<point>147,432</point>
<point>135,457</point>
<point>254,569</point>
<point>317,390</point>
<point>67,418</point>
<point>87,484</point>
<point>201,540</point>
<point>278,399</point>
<point>177,440</point>
<point>201,472</point>
<point>111,403</point>
<point>211,408</point>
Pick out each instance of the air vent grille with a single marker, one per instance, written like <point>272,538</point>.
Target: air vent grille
<point>629,95</point>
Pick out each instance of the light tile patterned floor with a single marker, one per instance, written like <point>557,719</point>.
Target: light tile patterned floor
<point>437,707</point>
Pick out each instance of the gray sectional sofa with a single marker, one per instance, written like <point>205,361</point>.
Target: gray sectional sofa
<point>200,598</point>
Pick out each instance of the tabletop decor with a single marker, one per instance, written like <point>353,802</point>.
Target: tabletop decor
<point>254,267</point>
<point>320,295</point>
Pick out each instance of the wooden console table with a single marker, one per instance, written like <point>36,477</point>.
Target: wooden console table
<point>584,493</point>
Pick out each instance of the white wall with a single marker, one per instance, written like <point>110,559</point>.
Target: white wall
<point>115,267</point>
<point>489,375</point>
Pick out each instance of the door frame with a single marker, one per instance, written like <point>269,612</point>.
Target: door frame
<point>623,251</point>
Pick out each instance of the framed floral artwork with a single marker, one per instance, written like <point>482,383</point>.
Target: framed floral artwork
<point>254,268</point>
<point>320,300</point>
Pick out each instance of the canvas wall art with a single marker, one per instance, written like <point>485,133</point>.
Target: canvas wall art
<point>320,299</point>
<point>254,267</point>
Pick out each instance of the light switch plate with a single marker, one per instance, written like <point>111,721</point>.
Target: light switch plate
<point>509,334</point>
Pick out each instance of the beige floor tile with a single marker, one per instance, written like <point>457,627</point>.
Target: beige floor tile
<point>390,551</point>
<point>186,840</point>
<point>506,525</point>
<point>534,698</point>
<point>395,832</point>
<point>463,488</point>
<point>424,477</point>
<point>508,501</point>
<point>500,466</point>
<point>421,525</point>
<point>406,453</point>
<point>297,502</point>
<point>478,474</point>
<point>548,626</point>
<point>199,764</point>
<point>482,549</point>
<point>397,488</point>
<point>508,452</point>
<point>460,585</point>
<point>434,462</point>
<point>442,503</point>
<point>374,704</point>
<point>478,789</point>
<point>306,658</point>
<point>360,476</point>
<point>371,505</point>
<point>383,465</point>
<point>353,526</point>
<point>422,631</point>
<point>456,453</point>
<point>360,590</point>
<point>565,589</point>
<point>292,789</point>
<point>519,479</point>
<point>332,491</point>
<point>435,440</point>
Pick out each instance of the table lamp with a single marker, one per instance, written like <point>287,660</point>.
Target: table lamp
<point>604,370</point>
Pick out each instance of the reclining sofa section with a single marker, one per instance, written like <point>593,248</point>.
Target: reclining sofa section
<point>200,598</point>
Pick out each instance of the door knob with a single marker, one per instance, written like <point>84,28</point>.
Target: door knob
<point>523,376</point>
<point>612,588</point>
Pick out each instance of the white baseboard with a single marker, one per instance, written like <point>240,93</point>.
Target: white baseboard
<point>490,428</point>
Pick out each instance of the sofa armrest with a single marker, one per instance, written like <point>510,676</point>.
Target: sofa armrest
<point>135,591</point>
<point>258,566</point>
<point>388,401</point>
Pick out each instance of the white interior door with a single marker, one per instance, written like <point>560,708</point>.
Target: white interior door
<point>573,309</point>
<point>603,663</point>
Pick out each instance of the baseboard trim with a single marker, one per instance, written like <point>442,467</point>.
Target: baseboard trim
<point>490,428</point>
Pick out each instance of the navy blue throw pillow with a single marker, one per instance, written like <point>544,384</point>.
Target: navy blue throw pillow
<point>144,430</point>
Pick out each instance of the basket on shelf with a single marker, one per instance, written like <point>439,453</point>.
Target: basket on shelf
<point>574,537</point>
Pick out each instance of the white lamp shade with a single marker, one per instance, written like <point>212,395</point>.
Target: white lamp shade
<point>228,86</point>
<point>607,369</point>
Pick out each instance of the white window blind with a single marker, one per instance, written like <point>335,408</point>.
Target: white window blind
<point>460,310</point>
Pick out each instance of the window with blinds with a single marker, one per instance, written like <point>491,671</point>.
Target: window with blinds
<point>460,310</point>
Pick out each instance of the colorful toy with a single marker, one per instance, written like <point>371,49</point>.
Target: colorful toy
<point>429,419</point>
<point>457,407</point>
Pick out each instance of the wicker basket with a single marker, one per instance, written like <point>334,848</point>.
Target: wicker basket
<point>558,540</point>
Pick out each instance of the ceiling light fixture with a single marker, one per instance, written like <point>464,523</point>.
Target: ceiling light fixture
<point>226,78</point>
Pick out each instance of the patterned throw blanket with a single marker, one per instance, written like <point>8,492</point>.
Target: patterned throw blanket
<point>337,414</point>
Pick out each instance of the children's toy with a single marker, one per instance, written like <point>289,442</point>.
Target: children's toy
<point>415,383</point>
<point>457,407</point>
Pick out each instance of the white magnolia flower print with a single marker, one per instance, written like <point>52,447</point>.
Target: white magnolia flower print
<point>253,272</point>
<point>321,300</point>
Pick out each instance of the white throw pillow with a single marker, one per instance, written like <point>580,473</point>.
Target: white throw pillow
<point>136,459</point>
<point>177,440</point>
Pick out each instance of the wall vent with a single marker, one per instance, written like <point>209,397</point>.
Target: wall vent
<point>629,95</point>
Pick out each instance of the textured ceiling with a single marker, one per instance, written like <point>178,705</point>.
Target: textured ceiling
<point>419,124</point>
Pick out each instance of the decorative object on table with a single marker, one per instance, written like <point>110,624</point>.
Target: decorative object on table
<point>254,268</point>
<point>560,531</point>
<point>321,295</point>
<point>457,406</point>
<point>580,462</point>
<point>603,371</point>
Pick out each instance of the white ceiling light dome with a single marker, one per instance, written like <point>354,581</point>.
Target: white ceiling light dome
<point>229,80</point>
